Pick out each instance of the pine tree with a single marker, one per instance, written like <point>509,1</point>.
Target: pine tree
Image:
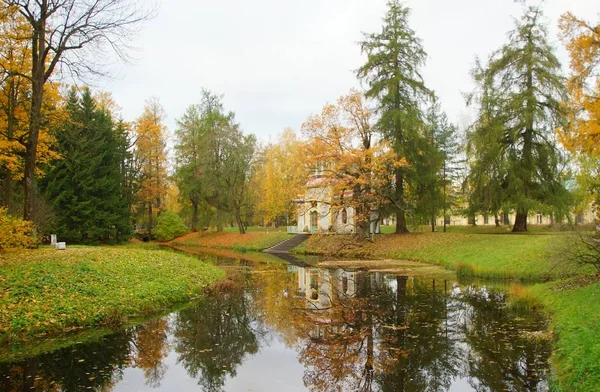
<point>522,90</point>
<point>392,73</point>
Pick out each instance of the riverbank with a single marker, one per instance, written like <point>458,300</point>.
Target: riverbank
<point>497,256</point>
<point>254,241</point>
<point>570,296</point>
<point>573,306</point>
<point>46,291</point>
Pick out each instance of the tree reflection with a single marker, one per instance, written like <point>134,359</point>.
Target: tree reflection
<point>213,337</point>
<point>91,366</point>
<point>508,351</point>
<point>151,348</point>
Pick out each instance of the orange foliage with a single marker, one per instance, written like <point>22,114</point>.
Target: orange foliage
<point>583,44</point>
<point>348,158</point>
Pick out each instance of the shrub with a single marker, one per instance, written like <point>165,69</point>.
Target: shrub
<point>15,232</point>
<point>168,226</point>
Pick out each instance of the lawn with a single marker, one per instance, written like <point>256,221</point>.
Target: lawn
<point>515,256</point>
<point>48,291</point>
<point>574,308</point>
<point>251,241</point>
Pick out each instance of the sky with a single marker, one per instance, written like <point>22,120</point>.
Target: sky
<point>276,62</point>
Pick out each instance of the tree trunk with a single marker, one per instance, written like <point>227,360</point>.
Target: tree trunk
<point>194,216</point>
<point>37,95</point>
<point>496,220</point>
<point>400,213</point>
<point>520,222</point>
<point>150,220</point>
<point>432,223</point>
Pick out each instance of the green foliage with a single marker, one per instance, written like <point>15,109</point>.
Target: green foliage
<point>515,161</point>
<point>15,232</point>
<point>392,73</point>
<point>51,291</point>
<point>214,162</point>
<point>87,188</point>
<point>168,226</point>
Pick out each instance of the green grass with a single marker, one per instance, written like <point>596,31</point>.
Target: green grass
<point>47,291</point>
<point>499,256</point>
<point>502,256</point>
<point>575,315</point>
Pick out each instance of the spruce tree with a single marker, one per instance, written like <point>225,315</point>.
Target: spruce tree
<point>85,186</point>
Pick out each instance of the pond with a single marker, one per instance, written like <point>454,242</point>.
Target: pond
<point>276,326</point>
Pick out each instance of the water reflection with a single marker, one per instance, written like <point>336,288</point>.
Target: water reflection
<point>346,330</point>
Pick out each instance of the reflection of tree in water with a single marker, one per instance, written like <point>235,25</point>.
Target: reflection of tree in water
<point>413,334</point>
<point>91,366</point>
<point>508,351</point>
<point>213,337</point>
<point>419,337</point>
<point>151,348</point>
<point>379,338</point>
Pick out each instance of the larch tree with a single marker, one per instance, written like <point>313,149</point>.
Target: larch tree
<point>351,163</point>
<point>392,74</point>
<point>68,37</point>
<point>582,136</point>
<point>525,88</point>
<point>152,159</point>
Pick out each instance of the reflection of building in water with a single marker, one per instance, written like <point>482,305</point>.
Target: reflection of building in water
<point>330,295</point>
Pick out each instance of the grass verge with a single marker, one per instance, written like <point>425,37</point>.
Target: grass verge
<point>574,309</point>
<point>47,291</point>
<point>505,256</point>
<point>252,241</point>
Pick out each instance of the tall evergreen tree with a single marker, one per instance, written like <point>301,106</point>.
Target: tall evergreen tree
<point>523,87</point>
<point>392,73</point>
<point>84,188</point>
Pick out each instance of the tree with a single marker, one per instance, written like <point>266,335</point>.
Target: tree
<point>15,91</point>
<point>214,161</point>
<point>84,188</point>
<point>348,160</point>
<point>67,36</point>
<point>392,74</point>
<point>438,166</point>
<point>152,159</point>
<point>582,137</point>
<point>280,178</point>
<point>522,83</point>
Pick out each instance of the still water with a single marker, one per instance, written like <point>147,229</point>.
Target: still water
<point>274,326</point>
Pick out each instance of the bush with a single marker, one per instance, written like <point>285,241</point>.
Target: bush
<point>15,232</point>
<point>168,226</point>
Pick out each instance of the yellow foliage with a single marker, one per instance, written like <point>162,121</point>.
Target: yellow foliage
<point>280,178</point>
<point>150,153</point>
<point>583,44</point>
<point>15,90</point>
<point>15,232</point>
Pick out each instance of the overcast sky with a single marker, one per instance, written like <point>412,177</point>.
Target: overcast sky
<point>277,61</point>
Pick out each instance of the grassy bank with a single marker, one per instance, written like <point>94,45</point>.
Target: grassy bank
<point>251,241</point>
<point>531,257</point>
<point>574,308</point>
<point>47,291</point>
